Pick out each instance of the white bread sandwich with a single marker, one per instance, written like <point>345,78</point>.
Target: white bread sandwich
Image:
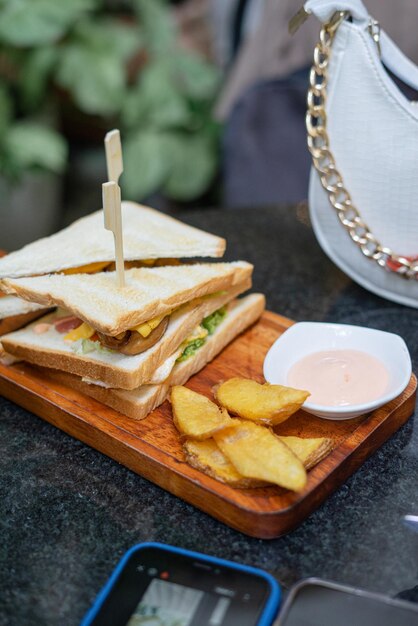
<point>86,246</point>
<point>138,403</point>
<point>120,336</point>
<point>150,238</point>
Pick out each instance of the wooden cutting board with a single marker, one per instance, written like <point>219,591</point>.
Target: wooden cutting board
<point>152,447</point>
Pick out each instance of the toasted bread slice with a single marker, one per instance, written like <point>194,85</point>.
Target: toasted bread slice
<point>15,313</point>
<point>139,402</point>
<point>148,292</point>
<point>113,368</point>
<point>147,234</point>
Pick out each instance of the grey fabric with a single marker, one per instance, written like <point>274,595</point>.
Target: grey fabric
<point>265,159</point>
<point>269,51</point>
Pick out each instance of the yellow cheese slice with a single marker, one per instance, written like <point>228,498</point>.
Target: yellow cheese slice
<point>146,328</point>
<point>82,332</point>
<point>91,268</point>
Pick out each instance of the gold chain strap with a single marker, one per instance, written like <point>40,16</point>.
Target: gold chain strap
<point>324,163</point>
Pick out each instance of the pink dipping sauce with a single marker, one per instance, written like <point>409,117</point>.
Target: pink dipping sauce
<point>340,377</point>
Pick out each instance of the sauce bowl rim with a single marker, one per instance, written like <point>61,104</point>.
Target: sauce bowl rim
<point>293,333</point>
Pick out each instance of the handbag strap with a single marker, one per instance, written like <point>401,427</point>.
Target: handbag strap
<point>392,57</point>
<point>324,162</point>
<point>325,9</point>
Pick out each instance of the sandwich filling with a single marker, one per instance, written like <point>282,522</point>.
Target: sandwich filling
<point>195,341</point>
<point>84,338</point>
<point>110,266</point>
<point>185,352</point>
<point>138,339</point>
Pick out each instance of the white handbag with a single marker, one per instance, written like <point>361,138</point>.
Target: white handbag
<point>363,138</point>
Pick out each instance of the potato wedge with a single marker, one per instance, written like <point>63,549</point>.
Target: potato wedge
<point>256,452</point>
<point>207,457</point>
<point>195,415</point>
<point>265,404</point>
<point>310,450</point>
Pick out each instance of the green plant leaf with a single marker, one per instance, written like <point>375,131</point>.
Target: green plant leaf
<point>181,164</point>
<point>107,35</point>
<point>158,26</point>
<point>94,78</point>
<point>5,111</point>
<point>29,145</point>
<point>37,22</point>
<point>146,164</point>
<point>193,162</point>
<point>194,76</point>
<point>156,101</point>
<point>34,76</point>
<point>93,66</point>
<point>135,109</point>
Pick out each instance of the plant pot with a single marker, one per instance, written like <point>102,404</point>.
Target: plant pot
<point>29,210</point>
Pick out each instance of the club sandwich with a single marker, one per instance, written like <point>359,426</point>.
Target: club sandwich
<point>137,403</point>
<point>121,337</point>
<point>85,246</point>
<point>125,346</point>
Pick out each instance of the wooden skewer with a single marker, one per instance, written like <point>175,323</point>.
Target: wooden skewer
<point>114,160</point>
<point>113,222</point>
<point>112,198</point>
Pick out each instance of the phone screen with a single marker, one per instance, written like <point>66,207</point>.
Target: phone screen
<point>161,588</point>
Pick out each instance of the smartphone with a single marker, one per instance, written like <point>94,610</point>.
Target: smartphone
<point>156,584</point>
<point>316,602</point>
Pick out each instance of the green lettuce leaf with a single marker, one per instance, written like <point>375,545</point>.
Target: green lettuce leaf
<point>84,346</point>
<point>211,322</point>
<point>191,349</point>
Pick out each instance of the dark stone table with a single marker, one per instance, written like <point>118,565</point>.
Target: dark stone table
<point>68,513</point>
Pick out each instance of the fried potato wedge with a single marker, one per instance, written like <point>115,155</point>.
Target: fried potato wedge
<point>266,404</point>
<point>195,415</point>
<point>256,452</point>
<point>207,457</point>
<point>309,451</point>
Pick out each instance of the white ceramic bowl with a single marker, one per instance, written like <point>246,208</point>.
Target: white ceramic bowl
<point>305,338</point>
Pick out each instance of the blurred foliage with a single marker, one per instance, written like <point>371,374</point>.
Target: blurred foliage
<point>128,70</point>
<point>27,145</point>
<point>26,23</point>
